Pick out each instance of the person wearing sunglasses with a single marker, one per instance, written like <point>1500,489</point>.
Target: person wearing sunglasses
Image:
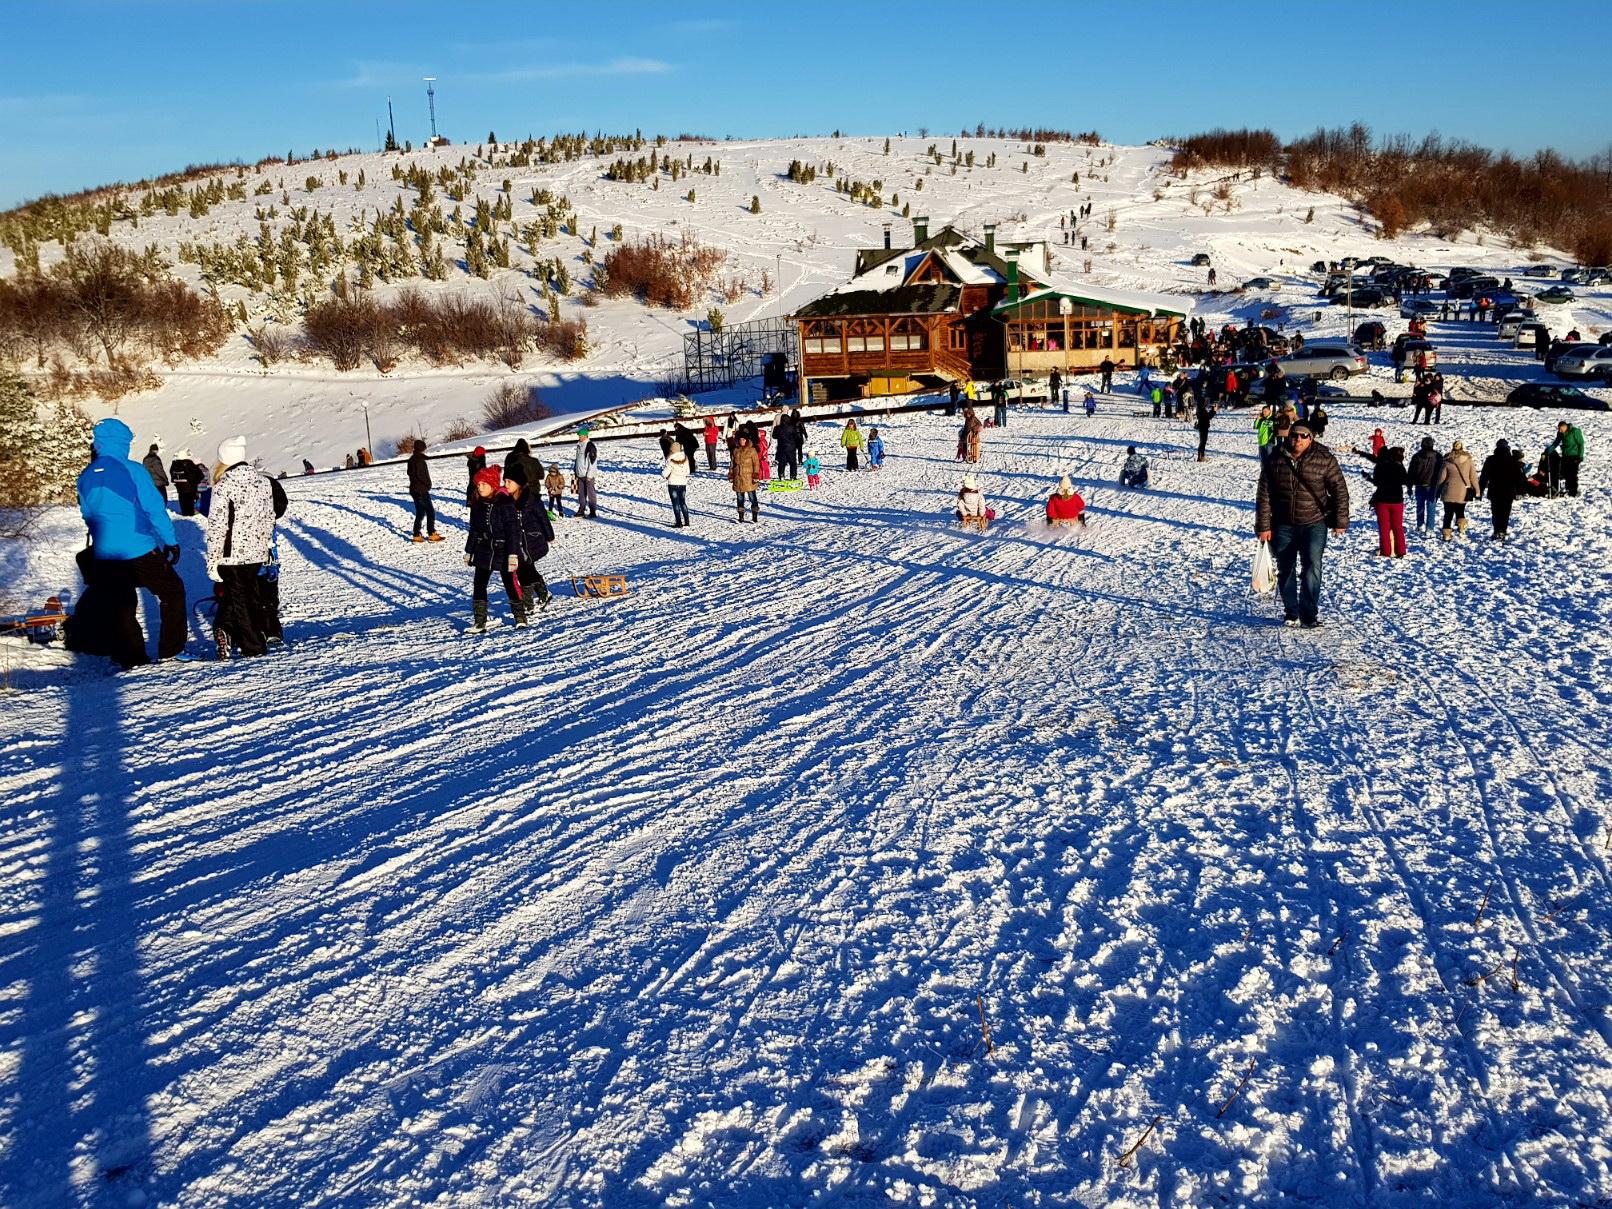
<point>1301,495</point>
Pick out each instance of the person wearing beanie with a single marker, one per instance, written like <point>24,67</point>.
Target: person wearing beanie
<point>584,471</point>
<point>475,463</point>
<point>971,509</point>
<point>536,532</point>
<point>187,477</point>
<point>493,544</point>
<point>1426,471</point>
<point>132,546</point>
<point>521,456</point>
<point>1065,507</point>
<point>159,477</point>
<point>240,543</point>
<point>1134,472</point>
<point>554,482</point>
<point>425,511</point>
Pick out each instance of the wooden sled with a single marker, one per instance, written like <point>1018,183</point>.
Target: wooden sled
<point>978,524</point>
<point>48,618</point>
<point>599,587</point>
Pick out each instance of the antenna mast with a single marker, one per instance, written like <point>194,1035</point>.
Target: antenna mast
<point>391,124</point>
<point>431,99</point>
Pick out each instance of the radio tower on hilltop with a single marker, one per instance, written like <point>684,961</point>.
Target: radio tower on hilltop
<point>431,100</point>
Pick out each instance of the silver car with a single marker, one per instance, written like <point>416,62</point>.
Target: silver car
<point>1585,361</point>
<point>1324,359</point>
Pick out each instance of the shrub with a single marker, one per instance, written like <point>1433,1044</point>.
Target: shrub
<point>340,329</point>
<point>1227,149</point>
<point>273,344</point>
<point>513,403</point>
<point>564,339</point>
<point>459,429</point>
<point>661,271</point>
<point>43,450</point>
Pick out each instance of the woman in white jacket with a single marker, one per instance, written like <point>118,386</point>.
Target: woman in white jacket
<point>971,503</point>
<point>675,470</point>
<point>240,534</point>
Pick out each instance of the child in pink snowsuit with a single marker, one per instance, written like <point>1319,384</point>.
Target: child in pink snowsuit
<point>761,452</point>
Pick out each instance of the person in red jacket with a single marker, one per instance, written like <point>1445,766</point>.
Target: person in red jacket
<point>712,436</point>
<point>1065,507</point>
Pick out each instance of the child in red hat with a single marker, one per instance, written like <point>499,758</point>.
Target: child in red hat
<point>494,544</point>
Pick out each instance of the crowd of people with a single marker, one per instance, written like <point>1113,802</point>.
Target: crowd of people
<point>134,545</point>
<point>1302,496</point>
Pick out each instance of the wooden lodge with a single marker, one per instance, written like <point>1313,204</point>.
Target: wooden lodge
<point>1074,328</point>
<point>952,308</point>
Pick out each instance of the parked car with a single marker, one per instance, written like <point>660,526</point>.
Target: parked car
<point>1259,283</point>
<point>1556,294</point>
<point>1324,359</point>
<point>1414,352</point>
<point>1367,296</point>
<point>1471,287</point>
<point>1529,333</point>
<point>1020,390</point>
<point>1378,260</point>
<point>1506,329</point>
<point>1372,334</point>
<point>1597,277</point>
<point>1575,275</point>
<point>1319,266</point>
<point>1537,270</point>
<point>1418,308</point>
<point>1199,259</point>
<point>1548,394</point>
<point>1575,360</point>
<point>1435,279</point>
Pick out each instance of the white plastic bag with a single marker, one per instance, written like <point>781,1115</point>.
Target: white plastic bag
<point>1264,570</point>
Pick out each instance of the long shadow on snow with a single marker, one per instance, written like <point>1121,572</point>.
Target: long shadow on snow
<point>385,822</point>
<point>83,1069</point>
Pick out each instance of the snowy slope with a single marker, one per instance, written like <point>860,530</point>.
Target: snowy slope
<point>804,240</point>
<point>695,897</point>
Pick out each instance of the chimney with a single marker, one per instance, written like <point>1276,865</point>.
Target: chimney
<point>1013,274</point>
<point>990,238</point>
<point>886,237</point>
<point>920,228</point>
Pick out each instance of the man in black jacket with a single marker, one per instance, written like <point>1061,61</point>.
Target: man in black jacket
<point>186,476</point>
<point>522,456</point>
<point>420,491</point>
<point>1301,495</point>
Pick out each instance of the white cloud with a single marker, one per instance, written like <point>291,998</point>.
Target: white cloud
<point>568,71</point>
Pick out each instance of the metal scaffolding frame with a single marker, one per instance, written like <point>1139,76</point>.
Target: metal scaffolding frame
<point>714,360</point>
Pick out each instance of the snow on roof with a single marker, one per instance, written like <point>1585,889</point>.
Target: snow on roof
<point>1102,295</point>
<point>889,275</point>
<point>966,271</point>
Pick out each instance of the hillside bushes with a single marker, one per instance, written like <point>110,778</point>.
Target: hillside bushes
<point>44,448</point>
<point>1451,187</point>
<point>661,271</point>
<point>444,329</point>
<point>111,311</point>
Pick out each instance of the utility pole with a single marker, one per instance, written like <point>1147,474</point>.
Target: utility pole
<point>391,124</point>
<point>431,99</point>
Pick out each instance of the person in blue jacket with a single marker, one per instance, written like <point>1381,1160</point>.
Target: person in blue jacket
<point>875,449</point>
<point>132,545</point>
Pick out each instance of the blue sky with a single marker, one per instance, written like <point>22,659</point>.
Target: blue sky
<point>120,89</point>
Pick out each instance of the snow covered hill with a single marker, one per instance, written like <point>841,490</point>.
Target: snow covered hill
<point>1144,229</point>
<point>705,896</point>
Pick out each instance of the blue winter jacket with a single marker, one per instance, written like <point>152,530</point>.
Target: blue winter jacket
<point>127,518</point>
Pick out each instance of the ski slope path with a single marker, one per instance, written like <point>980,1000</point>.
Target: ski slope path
<point>700,897</point>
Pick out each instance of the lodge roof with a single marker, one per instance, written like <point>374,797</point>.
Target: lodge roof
<point>928,298</point>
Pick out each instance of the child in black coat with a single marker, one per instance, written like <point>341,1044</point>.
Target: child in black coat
<point>494,544</point>
<point>537,531</point>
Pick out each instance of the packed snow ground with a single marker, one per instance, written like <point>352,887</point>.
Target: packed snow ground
<point>697,897</point>
<point>804,241</point>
